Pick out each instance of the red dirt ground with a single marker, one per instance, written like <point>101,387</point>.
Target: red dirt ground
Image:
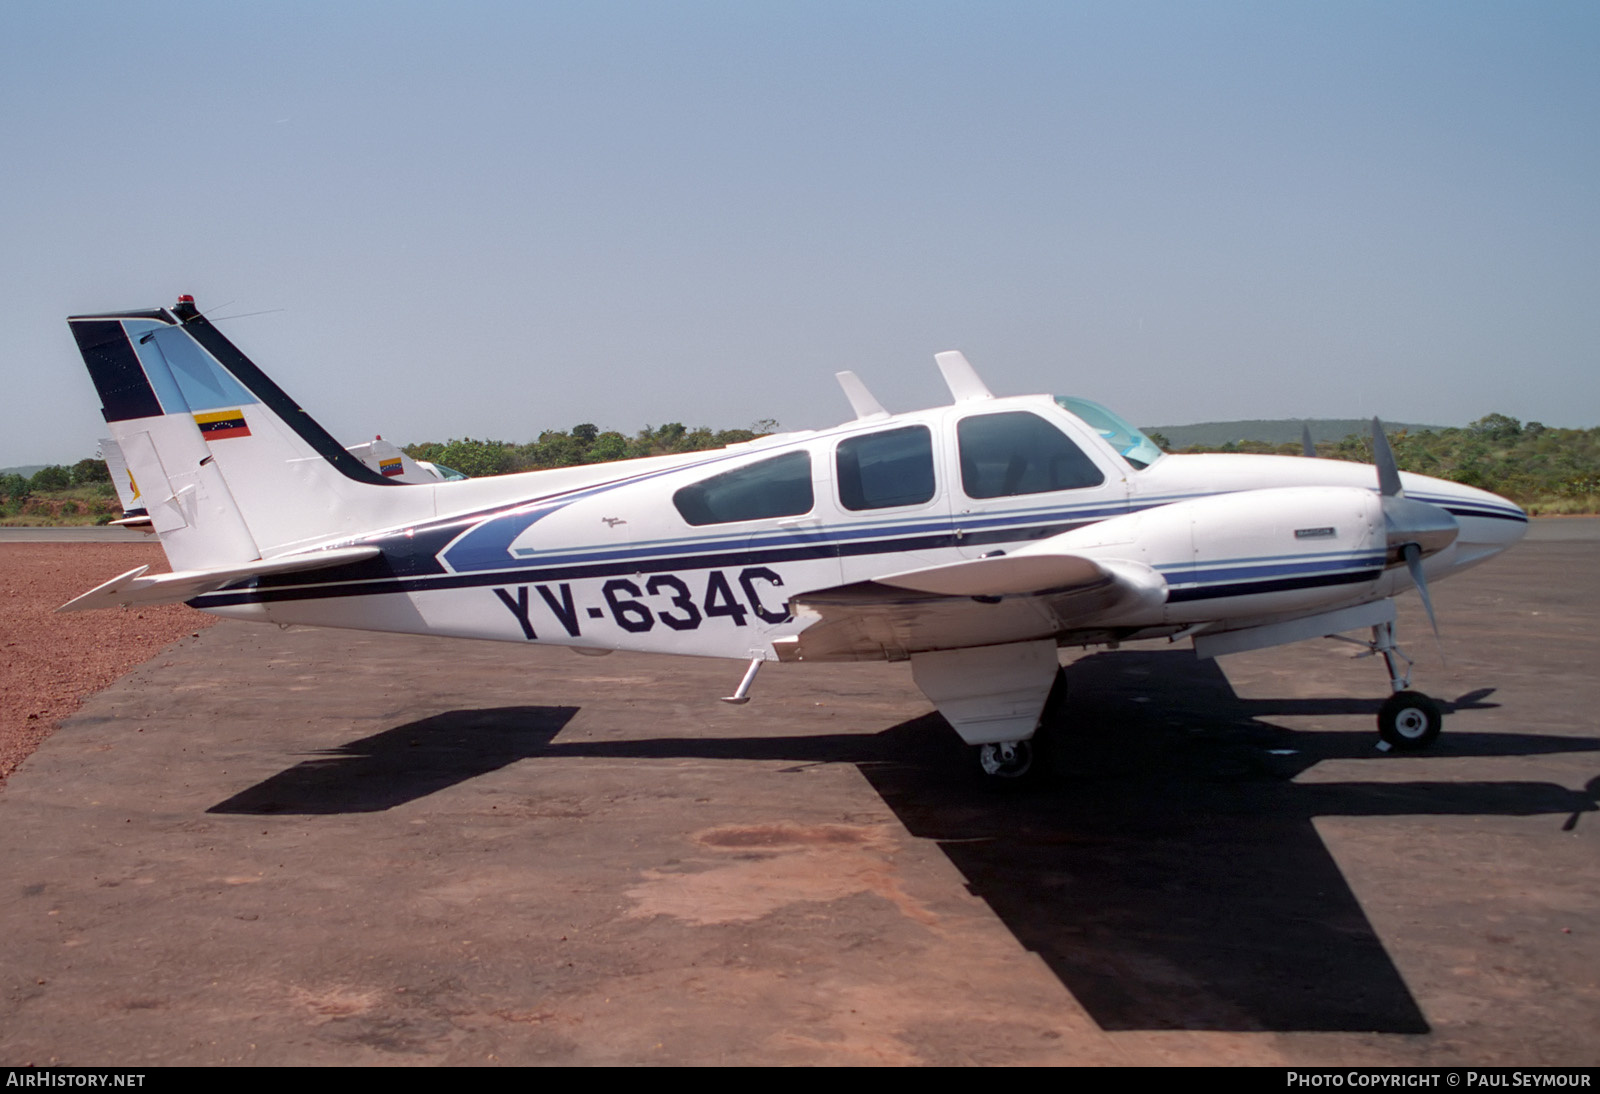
<point>50,662</point>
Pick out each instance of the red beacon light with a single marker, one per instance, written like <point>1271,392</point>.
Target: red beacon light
<point>186,309</point>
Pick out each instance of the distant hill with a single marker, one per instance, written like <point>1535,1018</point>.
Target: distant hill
<point>27,471</point>
<point>1274,431</point>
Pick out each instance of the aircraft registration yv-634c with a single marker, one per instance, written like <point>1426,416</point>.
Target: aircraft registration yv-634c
<point>973,539</point>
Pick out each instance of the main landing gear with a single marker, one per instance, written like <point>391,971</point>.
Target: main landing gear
<point>1008,760</point>
<point>1015,762</point>
<point>1408,719</point>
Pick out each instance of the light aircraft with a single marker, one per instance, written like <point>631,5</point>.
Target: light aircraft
<point>972,540</point>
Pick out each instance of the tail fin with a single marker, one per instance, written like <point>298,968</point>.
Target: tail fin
<point>390,462</point>
<point>228,466</point>
<point>133,510</point>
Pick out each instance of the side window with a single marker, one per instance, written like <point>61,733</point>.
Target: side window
<point>883,470</point>
<point>779,487</point>
<point>1004,455</point>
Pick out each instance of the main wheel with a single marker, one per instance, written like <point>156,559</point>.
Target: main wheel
<point>1007,760</point>
<point>1409,720</point>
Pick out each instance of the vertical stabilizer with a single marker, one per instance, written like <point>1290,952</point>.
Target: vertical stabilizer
<point>167,462</point>
<point>228,466</point>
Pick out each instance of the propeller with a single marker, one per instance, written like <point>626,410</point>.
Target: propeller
<point>1415,529</point>
<point>1308,447</point>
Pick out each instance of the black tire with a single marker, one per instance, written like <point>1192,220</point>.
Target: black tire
<point>1012,771</point>
<point>1410,720</point>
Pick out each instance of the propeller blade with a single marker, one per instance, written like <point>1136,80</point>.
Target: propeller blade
<point>1307,448</point>
<point>1388,470</point>
<point>1413,556</point>
<point>1413,527</point>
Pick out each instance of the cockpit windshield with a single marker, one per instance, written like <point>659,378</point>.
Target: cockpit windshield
<point>1132,445</point>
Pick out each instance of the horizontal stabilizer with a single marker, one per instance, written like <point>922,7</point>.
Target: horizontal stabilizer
<point>135,588</point>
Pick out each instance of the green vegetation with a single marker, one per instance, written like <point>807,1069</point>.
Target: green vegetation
<point>1211,436</point>
<point>584,443</point>
<point>1546,471</point>
<point>55,495</point>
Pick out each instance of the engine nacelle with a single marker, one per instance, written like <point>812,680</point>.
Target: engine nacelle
<point>1251,553</point>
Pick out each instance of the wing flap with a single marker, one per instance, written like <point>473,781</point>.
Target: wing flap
<point>134,587</point>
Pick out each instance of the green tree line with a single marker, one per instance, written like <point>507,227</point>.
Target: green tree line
<point>51,493</point>
<point>1542,469</point>
<point>583,443</point>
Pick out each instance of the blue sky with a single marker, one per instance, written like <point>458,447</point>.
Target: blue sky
<point>492,219</point>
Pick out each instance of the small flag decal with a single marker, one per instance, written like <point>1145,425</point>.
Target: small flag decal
<point>391,467</point>
<point>217,424</point>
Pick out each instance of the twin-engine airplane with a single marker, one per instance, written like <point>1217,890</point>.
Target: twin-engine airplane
<point>972,539</point>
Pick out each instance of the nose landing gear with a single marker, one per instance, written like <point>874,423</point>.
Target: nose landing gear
<point>1408,719</point>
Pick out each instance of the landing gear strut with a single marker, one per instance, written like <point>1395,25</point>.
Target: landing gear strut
<point>1408,719</point>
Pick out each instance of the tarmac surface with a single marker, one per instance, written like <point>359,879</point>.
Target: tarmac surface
<point>321,847</point>
<point>73,534</point>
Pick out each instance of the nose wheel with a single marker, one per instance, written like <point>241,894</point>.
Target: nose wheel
<point>1409,720</point>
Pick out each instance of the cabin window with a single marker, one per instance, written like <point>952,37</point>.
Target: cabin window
<point>888,469</point>
<point>779,487</point>
<point>1004,455</point>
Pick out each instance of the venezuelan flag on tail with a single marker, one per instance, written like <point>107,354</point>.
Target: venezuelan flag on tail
<point>220,424</point>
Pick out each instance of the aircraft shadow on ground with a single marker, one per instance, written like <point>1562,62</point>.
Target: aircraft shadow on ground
<point>1169,874</point>
<point>404,763</point>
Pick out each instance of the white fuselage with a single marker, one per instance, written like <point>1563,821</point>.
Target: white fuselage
<point>606,557</point>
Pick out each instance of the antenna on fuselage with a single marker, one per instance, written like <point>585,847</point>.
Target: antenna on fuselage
<point>965,385</point>
<point>866,407</point>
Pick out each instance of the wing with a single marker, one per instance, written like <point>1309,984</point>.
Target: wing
<point>979,602</point>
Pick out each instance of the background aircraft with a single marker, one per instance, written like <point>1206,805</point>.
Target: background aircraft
<point>972,540</point>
